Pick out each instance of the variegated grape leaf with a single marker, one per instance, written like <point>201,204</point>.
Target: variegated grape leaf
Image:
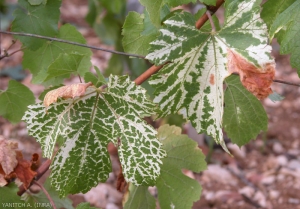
<point>39,19</point>
<point>193,83</point>
<point>287,25</point>
<point>244,116</point>
<point>175,190</point>
<point>39,61</point>
<point>88,124</point>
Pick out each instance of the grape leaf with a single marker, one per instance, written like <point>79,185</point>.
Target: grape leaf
<point>94,10</point>
<point>36,19</point>
<point>288,24</point>
<point>37,2</point>
<point>272,8</point>
<point>175,190</point>
<point>14,101</point>
<point>108,29</point>
<point>244,116</point>
<point>193,83</point>
<point>38,61</point>
<point>134,41</point>
<point>65,65</point>
<point>98,80</point>
<point>139,197</point>
<point>154,9</point>
<point>9,195</point>
<point>115,65</point>
<point>88,124</point>
<point>113,6</point>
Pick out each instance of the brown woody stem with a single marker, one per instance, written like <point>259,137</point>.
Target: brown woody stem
<point>46,193</point>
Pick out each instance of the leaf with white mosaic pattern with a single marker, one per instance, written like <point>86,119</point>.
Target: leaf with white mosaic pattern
<point>88,124</point>
<point>193,83</point>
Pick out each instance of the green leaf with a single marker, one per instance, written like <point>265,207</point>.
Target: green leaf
<point>38,61</point>
<point>115,65</point>
<point>244,116</point>
<point>39,20</point>
<point>42,200</point>
<point>288,24</point>
<point>65,65</point>
<point>108,29</point>
<point>139,197</point>
<point>93,12</point>
<point>154,9</point>
<point>37,2</point>
<point>88,124</point>
<point>193,83</point>
<point>134,41</point>
<point>113,6</point>
<point>209,2</point>
<point>14,101</point>
<point>175,190</point>
<point>98,80</point>
<point>9,195</point>
<point>272,8</point>
<point>85,205</point>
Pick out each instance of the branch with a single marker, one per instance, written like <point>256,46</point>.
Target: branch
<point>8,55</point>
<point>202,20</point>
<point>46,193</point>
<point>286,82</point>
<point>73,43</point>
<point>278,81</point>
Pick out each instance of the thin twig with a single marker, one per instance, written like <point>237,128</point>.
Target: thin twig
<point>286,82</point>
<point>12,43</point>
<point>79,78</point>
<point>202,20</point>
<point>46,193</point>
<point>71,42</point>
<point>8,55</point>
<point>279,81</point>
